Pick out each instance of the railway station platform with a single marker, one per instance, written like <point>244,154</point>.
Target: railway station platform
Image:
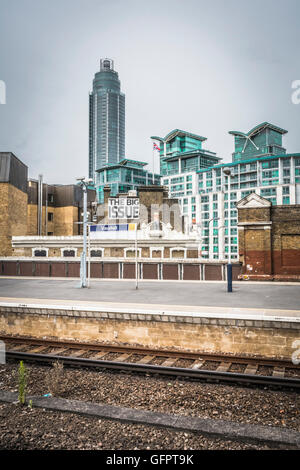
<point>256,319</point>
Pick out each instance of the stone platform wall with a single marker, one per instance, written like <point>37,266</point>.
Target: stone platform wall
<point>270,339</point>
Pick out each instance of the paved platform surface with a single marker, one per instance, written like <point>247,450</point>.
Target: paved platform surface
<point>263,299</point>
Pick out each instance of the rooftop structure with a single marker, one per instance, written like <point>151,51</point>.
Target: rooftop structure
<point>263,140</point>
<point>182,151</point>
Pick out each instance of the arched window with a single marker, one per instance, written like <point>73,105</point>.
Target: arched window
<point>69,253</point>
<point>96,253</point>
<point>40,252</point>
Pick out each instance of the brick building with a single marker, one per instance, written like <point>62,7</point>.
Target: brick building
<point>269,239</point>
<point>13,200</point>
<point>56,209</point>
<point>35,208</point>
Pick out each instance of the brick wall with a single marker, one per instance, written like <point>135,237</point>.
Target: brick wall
<point>269,242</point>
<point>63,224</point>
<point>13,216</point>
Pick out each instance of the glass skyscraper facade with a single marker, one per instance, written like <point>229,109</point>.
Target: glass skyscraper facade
<point>106,120</point>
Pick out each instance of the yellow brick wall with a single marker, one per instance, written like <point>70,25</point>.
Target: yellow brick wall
<point>64,221</point>
<point>13,216</point>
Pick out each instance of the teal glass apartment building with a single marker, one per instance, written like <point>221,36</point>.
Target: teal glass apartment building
<point>208,196</point>
<point>125,176</point>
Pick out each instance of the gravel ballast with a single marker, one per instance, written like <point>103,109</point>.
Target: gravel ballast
<point>232,403</point>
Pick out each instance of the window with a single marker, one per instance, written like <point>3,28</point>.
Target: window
<point>40,253</point>
<point>286,190</point>
<point>50,234</point>
<point>286,200</point>
<point>268,192</point>
<point>69,253</point>
<point>96,253</point>
<point>270,164</point>
<point>50,216</point>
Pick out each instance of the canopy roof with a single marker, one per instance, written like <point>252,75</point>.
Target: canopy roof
<point>258,129</point>
<point>178,132</point>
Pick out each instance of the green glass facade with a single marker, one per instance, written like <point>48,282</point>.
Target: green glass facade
<point>182,152</point>
<point>126,176</point>
<point>264,139</point>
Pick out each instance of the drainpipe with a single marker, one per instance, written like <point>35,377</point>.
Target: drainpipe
<point>40,204</point>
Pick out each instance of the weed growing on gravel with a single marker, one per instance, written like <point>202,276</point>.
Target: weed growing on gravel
<point>22,383</point>
<point>55,379</point>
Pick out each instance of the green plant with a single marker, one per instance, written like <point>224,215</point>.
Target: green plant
<point>56,380</point>
<point>22,383</point>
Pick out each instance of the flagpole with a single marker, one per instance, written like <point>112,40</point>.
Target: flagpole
<point>153,164</point>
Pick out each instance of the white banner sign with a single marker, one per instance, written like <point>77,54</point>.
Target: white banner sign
<point>123,208</point>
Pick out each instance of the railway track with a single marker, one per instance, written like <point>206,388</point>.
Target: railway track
<point>207,367</point>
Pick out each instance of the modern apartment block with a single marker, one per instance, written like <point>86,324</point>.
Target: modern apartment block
<point>106,120</point>
<point>123,177</point>
<point>259,164</point>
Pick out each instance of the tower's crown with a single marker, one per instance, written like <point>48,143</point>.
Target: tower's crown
<point>106,64</point>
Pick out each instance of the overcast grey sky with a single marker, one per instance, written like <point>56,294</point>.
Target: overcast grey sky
<point>203,66</point>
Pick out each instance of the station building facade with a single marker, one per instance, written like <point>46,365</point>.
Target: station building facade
<point>208,196</point>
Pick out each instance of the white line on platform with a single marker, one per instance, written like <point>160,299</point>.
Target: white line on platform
<point>229,314</point>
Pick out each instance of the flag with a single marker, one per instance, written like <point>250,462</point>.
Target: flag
<point>155,146</point>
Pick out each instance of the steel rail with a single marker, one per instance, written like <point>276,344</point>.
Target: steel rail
<point>148,351</point>
<point>232,377</point>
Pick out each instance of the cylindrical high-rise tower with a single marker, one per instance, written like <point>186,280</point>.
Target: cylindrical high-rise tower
<point>106,119</point>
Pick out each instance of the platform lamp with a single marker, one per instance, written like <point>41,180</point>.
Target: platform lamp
<point>84,182</point>
<point>227,172</point>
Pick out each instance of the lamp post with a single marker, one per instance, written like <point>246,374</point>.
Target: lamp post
<point>84,182</point>
<point>227,172</point>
